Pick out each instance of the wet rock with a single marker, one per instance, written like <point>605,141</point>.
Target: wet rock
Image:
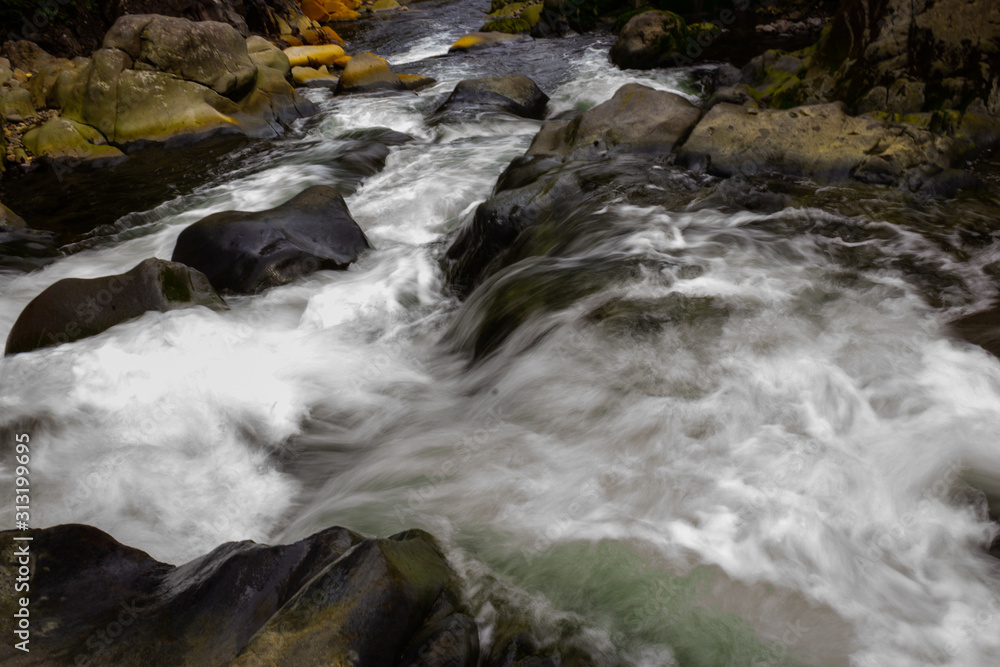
<point>478,40</point>
<point>982,329</point>
<point>24,249</point>
<point>416,81</point>
<point>159,79</point>
<point>821,142</point>
<point>11,220</point>
<point>67,142</point>
<point>367,73</point>
<point>247,252</point>
<point>75,308</point>
<point>314,78</point>
<point>516,94</point>
<point>304,603</point>
<point>637,119</point>
<point>364,609</point>
<point>651,39</point>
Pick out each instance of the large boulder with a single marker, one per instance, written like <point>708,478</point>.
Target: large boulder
<point>247,252</point>
<point>821,142</point>
<point>637,119</point>
<point>159,78</point>
<point>651,39</point>
<point>75,308</point>
<point>367,73</point>
<point>96,601</point>
<point>516,94</point>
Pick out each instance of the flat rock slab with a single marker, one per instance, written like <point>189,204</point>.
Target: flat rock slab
<point>246,252</point>
<point>819,141</point>
<point>637,119</point>
<point>75,308</point>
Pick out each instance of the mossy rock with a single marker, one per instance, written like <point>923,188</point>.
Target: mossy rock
<point>650,39</point>
<point>511,26</point>
<point>367,73</point>
<point>478,40</point>
<point>385,5</point>
<point>511,10</point>
<point>64,140</point>
<point>532,14</point>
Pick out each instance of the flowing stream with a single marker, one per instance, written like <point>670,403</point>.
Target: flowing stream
<point>752,444</point>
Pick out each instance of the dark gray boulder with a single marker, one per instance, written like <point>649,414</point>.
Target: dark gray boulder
<point>96,601</point>
<point>516,94</point>
<point>651,39</point>
<point>75,308</point>
<point>246,252</point>
<point>637,119</point>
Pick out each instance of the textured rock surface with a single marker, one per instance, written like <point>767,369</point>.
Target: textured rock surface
<point>636,119</point>
<point>75,308</point>
<point>248,252</point>
<point>516,94</point>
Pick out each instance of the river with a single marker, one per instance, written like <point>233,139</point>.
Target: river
<point>751,444</point>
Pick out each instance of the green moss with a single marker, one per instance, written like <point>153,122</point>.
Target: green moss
<point>175,286</point>
<point>511,10</point>
<point>532,14</point>
<point>511,26</point>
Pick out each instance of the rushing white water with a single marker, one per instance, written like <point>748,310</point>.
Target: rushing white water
<point>775,479</point>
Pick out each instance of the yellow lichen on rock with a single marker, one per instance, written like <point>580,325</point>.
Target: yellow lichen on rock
<point>474,40</point>
<point>314,56</point>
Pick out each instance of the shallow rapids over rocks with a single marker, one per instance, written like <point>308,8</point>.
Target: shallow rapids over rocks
<point>672,419</point>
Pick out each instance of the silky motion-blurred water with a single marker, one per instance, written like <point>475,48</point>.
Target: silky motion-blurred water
<point>751,456</point>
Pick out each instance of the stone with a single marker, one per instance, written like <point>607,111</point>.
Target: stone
<point>314,56</point>
<point>266,54</point>
<point>314,78</point>
<point>205,52</point>
<point>636,119</point>
<point>416,81</point>
<point>384,5</point>
<point>11,220</point>
<point>651,39</point>
<point>366,73</point>
<point>516,94</point>
<point>64,140</point>
<point>75,308</point>
<point>248,252</point>
<point>309,602</point>
<point>16,105</point>
<point>57,71</point>
<point>478,40</point>
<point>162,79</point>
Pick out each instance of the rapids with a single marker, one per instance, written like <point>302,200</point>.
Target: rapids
<point>750,445</point>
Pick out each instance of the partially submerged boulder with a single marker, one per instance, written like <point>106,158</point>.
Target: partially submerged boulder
<point>75,308</point>
<point>651,39</point>
<point>367,73</point>
<point>322,600</point>
<point>246,252</point>
<point>637,119</point>
<point>516,94</point>
<point>159,78</point>
<point>982,329</point>
<point>310,77</point>
<point>478,40</point>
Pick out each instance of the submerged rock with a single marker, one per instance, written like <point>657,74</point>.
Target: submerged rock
<point>516,94</point>
<point>636,119</point>
<point>982,329</point>
<point>75,308</point>
<point>478,40</point>
<point>331,597</point>
<point>246,252</point>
